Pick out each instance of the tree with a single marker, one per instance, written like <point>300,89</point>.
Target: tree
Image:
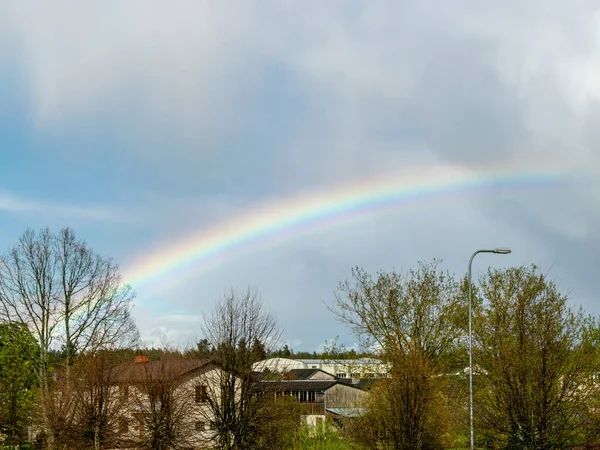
<point>281,419</point>
<point>98,404</point>
<point>163,405</point>
<point>241,332</point>
<point>203,349</point>
<point>18,365</point>
<point>536,359</point>
<point>67,294</point>
<point>414,322</point>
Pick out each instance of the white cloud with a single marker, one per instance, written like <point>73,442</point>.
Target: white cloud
<point>16,204</point>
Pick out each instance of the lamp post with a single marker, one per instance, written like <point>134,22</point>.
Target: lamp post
<point>497,251</point>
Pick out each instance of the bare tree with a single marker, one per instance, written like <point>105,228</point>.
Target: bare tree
<point>163,403</point>
<point>66,294</point>
<point>241,332</point>
<point>28,290</point>
<point>98,403</point>
<point>412,321</point>
<point>93,301</point>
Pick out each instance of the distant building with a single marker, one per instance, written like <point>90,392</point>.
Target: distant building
<point>352,369</point>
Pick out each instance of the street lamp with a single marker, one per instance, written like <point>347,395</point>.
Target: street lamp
<point>497,251</point>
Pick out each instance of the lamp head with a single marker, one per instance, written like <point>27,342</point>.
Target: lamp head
<point>502,251</point>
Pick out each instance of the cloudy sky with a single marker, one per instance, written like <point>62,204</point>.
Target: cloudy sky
<point>151,127</point>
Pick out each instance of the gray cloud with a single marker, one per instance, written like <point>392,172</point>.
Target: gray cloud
<point>227,105</point>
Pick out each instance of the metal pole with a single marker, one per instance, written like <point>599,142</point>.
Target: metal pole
<point>472,431</point>
<point>498,251</point>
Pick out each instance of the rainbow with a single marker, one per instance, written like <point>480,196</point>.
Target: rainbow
<point>274,221</point>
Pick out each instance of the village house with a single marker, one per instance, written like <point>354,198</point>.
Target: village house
<point>175,394</point>
<point>320,394</point>
<point>170,393</point>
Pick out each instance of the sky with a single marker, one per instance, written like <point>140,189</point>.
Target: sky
<point>208,146</point>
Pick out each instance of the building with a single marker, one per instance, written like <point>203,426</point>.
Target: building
<point>320,394</point>
<point>148,390</point>
<point>353,369</point>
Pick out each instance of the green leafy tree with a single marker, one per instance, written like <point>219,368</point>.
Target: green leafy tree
<point>19,353</point>
<point>536,361</point>
<point>414,320</point>
<point>204,349</point>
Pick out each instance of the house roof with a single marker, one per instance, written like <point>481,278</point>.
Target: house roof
<point>157,370</point>
<point>347,412</point>
<point>341,361</point>
<point>302,385</point>
<point>303,374</point>
<point>367,383</point>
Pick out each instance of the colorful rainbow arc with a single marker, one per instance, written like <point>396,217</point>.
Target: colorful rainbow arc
<point>294,216</point>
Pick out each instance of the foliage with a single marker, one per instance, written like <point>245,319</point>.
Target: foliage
<point>280,419</point>
<point>18,365</point>
<point>324,437</point>
<point>412,319</point>
<point>536,359</point>
<point>331,350</point>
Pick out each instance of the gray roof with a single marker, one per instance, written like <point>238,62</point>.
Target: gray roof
<point>347,412</point>
<point>302,385</point>
<point>303,374</point>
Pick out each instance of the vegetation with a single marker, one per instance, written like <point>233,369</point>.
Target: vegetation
<point>239,329</point>
<point>322,438</point>
<point>411,318</point>
<point>68,342</point>
<point>536,358</point>
<point>18,365</point>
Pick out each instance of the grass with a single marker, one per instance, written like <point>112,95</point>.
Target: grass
<point>325,438</point>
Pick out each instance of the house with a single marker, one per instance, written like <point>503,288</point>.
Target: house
<point>319,393</point>
<point>169,392</point>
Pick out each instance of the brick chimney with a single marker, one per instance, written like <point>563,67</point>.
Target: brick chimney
<point>141,359</point>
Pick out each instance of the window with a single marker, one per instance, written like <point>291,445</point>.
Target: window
<point>341,375</point>
<point>355,375</point>
<point>370,375</point>
<point>200,426</point>
<point>201,394</point>
<point>123,425</point>
<point>124,392</point>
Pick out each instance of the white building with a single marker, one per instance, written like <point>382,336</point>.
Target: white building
<point>352,368</point>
